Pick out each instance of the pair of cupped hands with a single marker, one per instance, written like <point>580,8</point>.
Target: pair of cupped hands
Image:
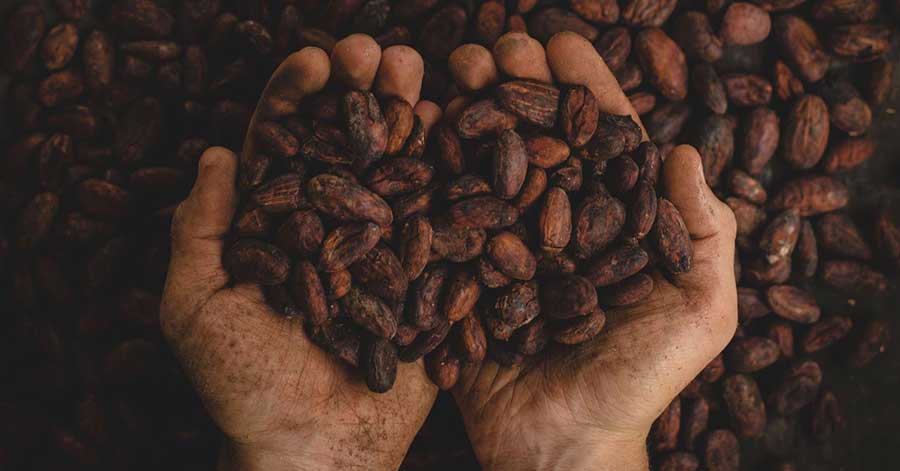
<point>285,404</point>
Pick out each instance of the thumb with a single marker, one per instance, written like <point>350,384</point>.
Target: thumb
<point>710,222</point>
<point>199,226</point>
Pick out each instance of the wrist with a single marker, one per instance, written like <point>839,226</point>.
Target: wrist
<point>555,451</point>
<point>309,453</point>
<point>235,457</point>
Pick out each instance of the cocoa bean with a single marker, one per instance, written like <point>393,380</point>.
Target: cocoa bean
<point>510,165</point>
<point>518,304</point>
<point>339,337</point>
<point>602,11</point>
<point>673,242</point>
<point>747,89</point>
<point>678,461</point>
<point>706,83</point>
<point>722,451</point>
<point>141,19</point>
<point>396,176</point>
<point>489,22</point>
<point>443,32</point>
<point>785,82</point>
<point>309,294</point>
<point>847,110</point>
<point>696,37</point>
<point>483,118</point>
<point>779,238</point>
<point>425,342</point>
<point>793,304</point>
<point>810,195</point>
<point>798,389</point>
<point>745,405</point>
<point>695,419</point>
<point>380,358</point>
<point>837,234</point>
<point>621,175</point>
<point>457,244</point>
<point>616,265</point>
<point>860,42</point>
<point>751,354</point>
<point>887,236</point>
<point>614,46</point>
<point>580,329</point>
<point>853,278</point>
<point>280,195</point>
<point>874,340</point>
<point>366,125</point>
<point>667,121</point>
<point>370,313</point>
<point>443,367</point>
<point>555,224</point>
<point>664,434</point>
<point>545,23</point>
<point>663,61</point>
<point>511,256</point>
<point>751,304</point>
<point>848,154</point>
<point>58,47</point>
<point>345,200</point>
<point>25,28</point>
<point>837,11</point>
<point>381,272</point>
<point>302,232</point>
<point>647,13</point>
<point>825,332</point>
<point>482,212</point>
<point>532,338</point>
<point>254,261</point>
<point>533,102</point>
<point>714,140</point>
<point>801,47</point>
<point>828,417</point>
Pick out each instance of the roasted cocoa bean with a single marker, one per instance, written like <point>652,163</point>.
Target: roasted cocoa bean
<point>745,405</point>
<point>673,242</point>
<point>664,434</point>
<point>751,354</point>
<point>663,61</point>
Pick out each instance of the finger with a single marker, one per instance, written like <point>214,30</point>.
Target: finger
<point>355,60</point>
<point>199,226</point>
<point>472,67</point>
<point>686,188</point>
<point>429,114</point>
<point>574,61</point>
<point>303,73</point>
<point>400,74</point>
<point>518,55</point>
<point>711,224</point>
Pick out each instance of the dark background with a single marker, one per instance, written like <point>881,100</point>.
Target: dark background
<point>870,396</point>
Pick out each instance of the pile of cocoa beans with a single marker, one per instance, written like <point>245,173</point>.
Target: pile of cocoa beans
<point>107,108</point>
<point>378,240</point>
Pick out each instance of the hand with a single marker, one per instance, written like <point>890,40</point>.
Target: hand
<point>282,402</point>
<point>592,406</point>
